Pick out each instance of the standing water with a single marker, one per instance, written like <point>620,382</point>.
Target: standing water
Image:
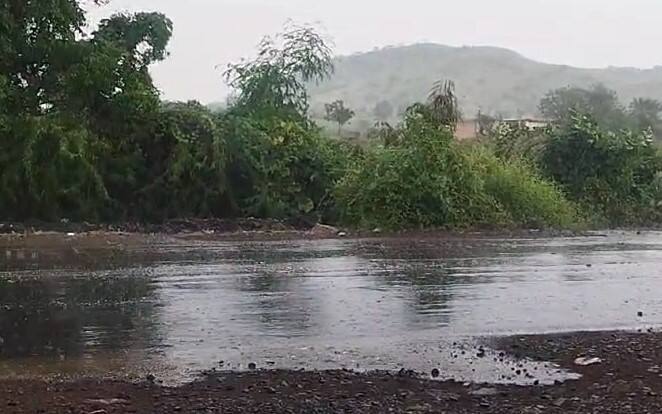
<point>359,304</point>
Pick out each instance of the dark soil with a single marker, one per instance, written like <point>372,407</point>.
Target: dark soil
<point>627,381</point>
<point>168,227</point>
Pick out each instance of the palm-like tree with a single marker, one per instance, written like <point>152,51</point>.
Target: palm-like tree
<point>443,104</point>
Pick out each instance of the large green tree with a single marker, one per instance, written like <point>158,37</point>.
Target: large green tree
<point>76,110</point>
<point>275,82</point>
<point>277,156</point>
<point>598,102</point>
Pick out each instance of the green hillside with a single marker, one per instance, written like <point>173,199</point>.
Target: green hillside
<point>496,81</point>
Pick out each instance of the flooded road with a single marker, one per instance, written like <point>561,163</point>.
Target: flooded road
<point>176,309</point>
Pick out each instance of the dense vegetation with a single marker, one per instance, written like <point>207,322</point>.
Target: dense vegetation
<point>85,136</point>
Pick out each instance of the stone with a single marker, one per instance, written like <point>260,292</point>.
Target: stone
<point>322,230</point>
<point>484,392</point>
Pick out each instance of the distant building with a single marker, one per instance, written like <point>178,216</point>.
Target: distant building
<point>469,128</point>
<point>529,123</point>
<point>466,129</point>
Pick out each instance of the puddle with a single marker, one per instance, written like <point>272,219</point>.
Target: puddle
<point>359,304</point>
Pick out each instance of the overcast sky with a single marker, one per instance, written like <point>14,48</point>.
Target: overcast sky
<point>210,33</point>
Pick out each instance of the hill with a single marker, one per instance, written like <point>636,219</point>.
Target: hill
<point>496,81</point>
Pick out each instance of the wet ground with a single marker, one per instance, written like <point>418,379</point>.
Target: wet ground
<point>128,307</point>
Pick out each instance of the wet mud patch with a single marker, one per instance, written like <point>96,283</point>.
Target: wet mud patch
<point>627,381</point>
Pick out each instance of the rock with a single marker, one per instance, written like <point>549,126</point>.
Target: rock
<point>376,230</point>
<point>252,366</point>
<point>640,314</point>
<point>111,401</point>
<point>150,377</point>
<point>435,373</point>
<point>342,234</point>
<point>485,392</point>
<point>419,408</point>
<point>586,361</point>
<point>322,230</point>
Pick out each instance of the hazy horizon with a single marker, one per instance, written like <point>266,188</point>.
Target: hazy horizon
<point>209,34</point>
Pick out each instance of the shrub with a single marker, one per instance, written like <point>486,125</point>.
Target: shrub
<point>525,197</point>
<point>422,181</point>
<point>614,173</point>
<point>48,170</point>
<point>278,168</point>
<point>185,162</point>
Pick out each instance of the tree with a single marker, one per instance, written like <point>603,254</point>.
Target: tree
<point>383,110</point>
<point>77,111</point>
<point>599,102</point>
<point>443,104</point>
<point>338,113</point>
<point>645,113</point>
<point>277,164</point>
<point>275,82</point>
<point>612,172</point>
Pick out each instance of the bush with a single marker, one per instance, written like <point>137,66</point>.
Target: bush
<point>279,168</point>
<point>421,177</point>
<point>423,181</point>
<point>48,170</point>
<point>185,162</point>
<point>614,173</point>
<point>523,195</point>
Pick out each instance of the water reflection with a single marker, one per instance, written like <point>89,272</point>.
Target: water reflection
<point>64,316</point>
<point>329,304</point>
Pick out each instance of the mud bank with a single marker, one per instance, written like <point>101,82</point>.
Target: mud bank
<point>628,380</point>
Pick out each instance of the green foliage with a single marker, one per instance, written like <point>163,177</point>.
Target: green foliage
<point>443,105</point>
<point>143,36</point>
<point>338,113</point>
<point>423,178</point>
<point>84,135</point>
<point>614,173</point>
<point>275,81</point>
<point>278,168</point>
<point>645,114</point>
<point>516,141</point>
<point>423,181</point>
<point>599,102</point>
<point>524,196</point>
<point>185,162</point>
<point>278,163</point>
<point>48,169</point>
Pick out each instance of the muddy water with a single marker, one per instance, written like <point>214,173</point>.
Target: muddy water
<point>360,304</point>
